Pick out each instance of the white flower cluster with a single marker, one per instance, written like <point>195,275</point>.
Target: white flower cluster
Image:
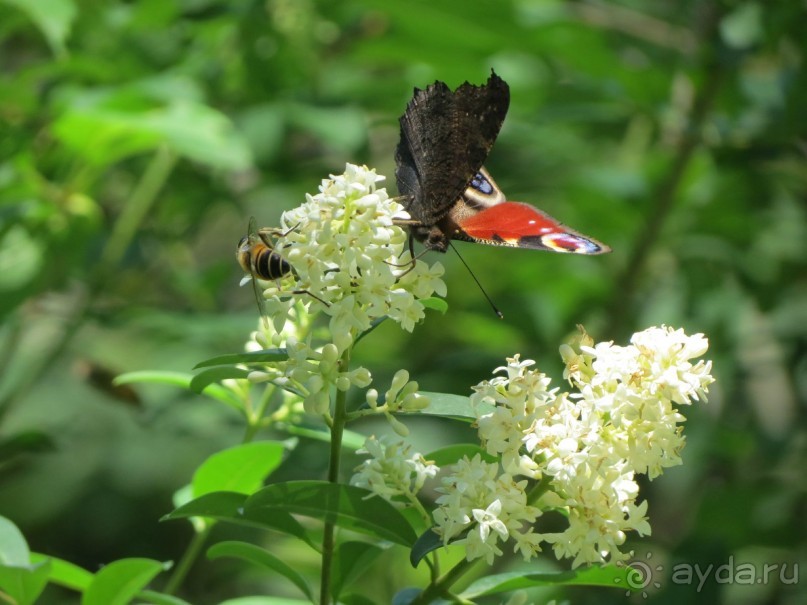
<point>392,471</point>
<point>350,260</point>
<point>584,448</point>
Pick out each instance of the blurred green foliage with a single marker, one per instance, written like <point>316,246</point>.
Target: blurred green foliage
<point>136,138</point>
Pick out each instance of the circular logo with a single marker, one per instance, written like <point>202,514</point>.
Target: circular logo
<point>639,576</point>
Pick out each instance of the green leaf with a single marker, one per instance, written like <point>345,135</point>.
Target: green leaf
<point>20,579</point>
<point>214,375</point>
<point>240,469</point>
<point>158,598</point>
<point>406,596</point>
<point>265,356</point>
<point>23,584</point>
<point>606,576</point>
<point>343,505</point>
<point>182,380</point>
<point>259,556</point>
<point>202,134</point>
<point>427,542</point>
<point>25,442</point>
<point>229,506</point>
<point>446,456</point>
<point>54,18</point>
<point>350,561</point>
<point>120,581</point>
<point>264,601</point>
<point>436,303</point>
<point>13,546</point>
<point>356,599</point>
<point>343,128</point>
<point>105,136</point>
<point>65,573</point>
<point>453,406</point>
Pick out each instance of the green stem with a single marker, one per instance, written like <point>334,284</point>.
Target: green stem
<point>189,557</point>
<point>138,206</point>
<point>337,431</point>
<point>441,586</point>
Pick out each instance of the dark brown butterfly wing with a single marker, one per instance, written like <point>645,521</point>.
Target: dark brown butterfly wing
<point>445,138</point>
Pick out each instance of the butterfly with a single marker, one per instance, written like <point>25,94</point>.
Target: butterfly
<point>445,139</point>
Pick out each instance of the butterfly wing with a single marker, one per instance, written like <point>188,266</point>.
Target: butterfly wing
<point>445,138</point>
<point>483,215</point>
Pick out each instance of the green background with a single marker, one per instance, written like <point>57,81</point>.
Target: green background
<point>136,139</point>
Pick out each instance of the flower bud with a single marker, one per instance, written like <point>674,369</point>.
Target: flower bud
<point>414,402</point>
<point>398,426</point>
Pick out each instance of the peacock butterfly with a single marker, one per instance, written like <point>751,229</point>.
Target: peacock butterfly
<point>445,138</point>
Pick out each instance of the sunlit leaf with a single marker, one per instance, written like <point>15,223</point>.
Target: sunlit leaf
<point>23,584</point>
<point>240,469</point>
<point>159,598</point>
<point>259,556</point>
<point>118,582</point>
<point>104,136</point>
<point>214,375</point>
<point>182,380</point>
<point>64,573</point>
<point>53,17</point>
<point>453,406</point>
<point>13,546</point>
<point>436,303</point>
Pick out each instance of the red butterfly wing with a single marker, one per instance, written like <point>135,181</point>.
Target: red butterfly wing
<point>484,216</point>
<point>523,226</point>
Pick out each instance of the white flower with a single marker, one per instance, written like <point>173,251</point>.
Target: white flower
<point>487,506</point>
<point>392,471</point>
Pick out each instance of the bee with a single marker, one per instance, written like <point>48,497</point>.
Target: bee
<point>257,256</point>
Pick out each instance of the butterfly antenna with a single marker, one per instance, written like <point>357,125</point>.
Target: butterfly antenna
<point>493,306</point>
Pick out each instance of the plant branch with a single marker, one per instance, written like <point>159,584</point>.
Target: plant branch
<point>189,557</point>
<point>337,431</point>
